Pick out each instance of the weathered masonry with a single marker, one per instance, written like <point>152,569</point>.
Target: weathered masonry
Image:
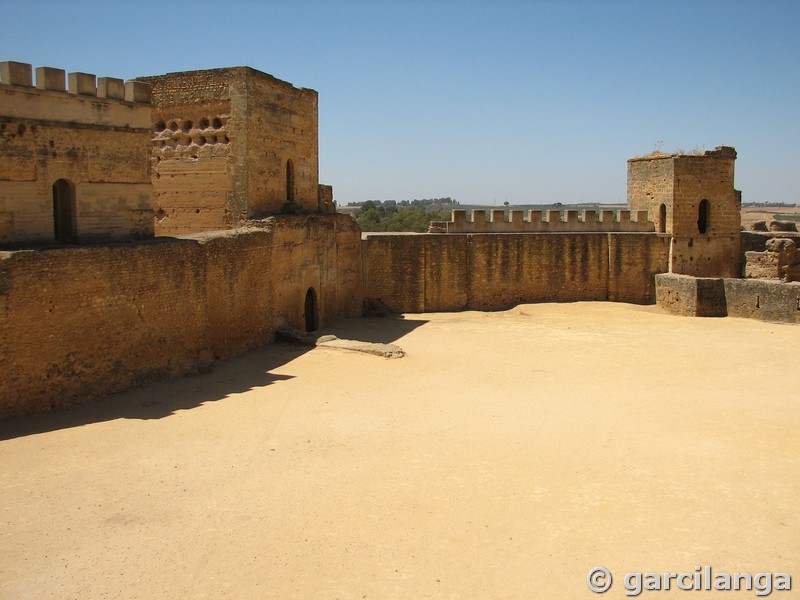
<point>484,271</point>
<point>73,157</point>
<point>692,199</point>
<point>231,145</point>
<point>252,242</point>
<point>79,322</point>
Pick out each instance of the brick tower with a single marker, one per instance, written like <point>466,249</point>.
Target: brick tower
<point>691,197</point>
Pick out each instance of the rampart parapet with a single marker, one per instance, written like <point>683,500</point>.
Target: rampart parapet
<point>74,162</point>
<point>77,84</point>
<point>549,221</point>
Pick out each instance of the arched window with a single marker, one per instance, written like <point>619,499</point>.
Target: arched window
<point>662,218</point>
<point>703,216</point>
<point>64,211</point>
<point>289,180</point>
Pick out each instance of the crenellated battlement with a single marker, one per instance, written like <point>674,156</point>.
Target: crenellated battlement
<point>74,162</point>
<point>549,221</point>
<point>77,84</point>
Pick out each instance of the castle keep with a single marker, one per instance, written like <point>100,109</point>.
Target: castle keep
<point>231,145</point>
<point>73,158</point>
<point>222,166</point>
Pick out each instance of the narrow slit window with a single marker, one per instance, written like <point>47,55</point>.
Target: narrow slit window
<point>703,216</point>
<point>289,180</point>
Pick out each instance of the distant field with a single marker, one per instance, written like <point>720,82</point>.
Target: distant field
<point>751,214</point>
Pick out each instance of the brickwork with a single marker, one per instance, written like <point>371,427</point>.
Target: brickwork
<point>417,273</point>
<point>692,198</point>
<point>231,145</point>
<point>282,129</point>
<point>651,184</point>
<point>88,139</point>
<point>82,322</point>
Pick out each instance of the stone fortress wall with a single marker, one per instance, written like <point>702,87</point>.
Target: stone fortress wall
<point>73,148</point>
<point>234,154</point>
<point>430,272</point>
<point>81,322</point>
<point>101,309</point>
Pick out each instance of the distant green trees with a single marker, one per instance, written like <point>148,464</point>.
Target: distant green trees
<point>390,217</point>
<point>423,202</point>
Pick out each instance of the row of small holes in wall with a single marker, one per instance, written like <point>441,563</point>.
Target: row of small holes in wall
<point>186,126</point>
<point>200,140</point>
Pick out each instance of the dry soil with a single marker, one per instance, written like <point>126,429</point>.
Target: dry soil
<point>506,455</point>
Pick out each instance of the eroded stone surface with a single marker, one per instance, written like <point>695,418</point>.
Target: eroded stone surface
<point>780,260</point>
<point>230,145</point>
<point>73,165</point>
<point>378,349</point>
<point>691,197</point>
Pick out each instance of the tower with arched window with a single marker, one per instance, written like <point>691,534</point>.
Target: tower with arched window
<point>691,198</point>
<point>232,145</point>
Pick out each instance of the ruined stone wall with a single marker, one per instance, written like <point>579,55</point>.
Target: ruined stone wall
<point>719,297</point>
<point>764,300</point>
<point>418,273</point>
<point>82,322</point>
<point>199,157</point>
<point>690,296</point>
<point>282,129</point>
<point>87,135</point>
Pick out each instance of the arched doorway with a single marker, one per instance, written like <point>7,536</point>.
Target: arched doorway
<point>64,211</point>
<point>703,216</point>
<point>289,180</point>
<point>662,218</point>
<point>311,310</point>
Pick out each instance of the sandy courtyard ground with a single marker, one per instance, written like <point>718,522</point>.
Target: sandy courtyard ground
<point>504,457</point>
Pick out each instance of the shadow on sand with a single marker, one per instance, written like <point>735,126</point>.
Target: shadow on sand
<point>233,376</point>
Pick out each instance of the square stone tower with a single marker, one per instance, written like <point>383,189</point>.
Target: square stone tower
<point>230,145</point>
<point>691,197</point>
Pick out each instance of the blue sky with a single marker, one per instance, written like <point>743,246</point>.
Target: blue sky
<point>525,102</point>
